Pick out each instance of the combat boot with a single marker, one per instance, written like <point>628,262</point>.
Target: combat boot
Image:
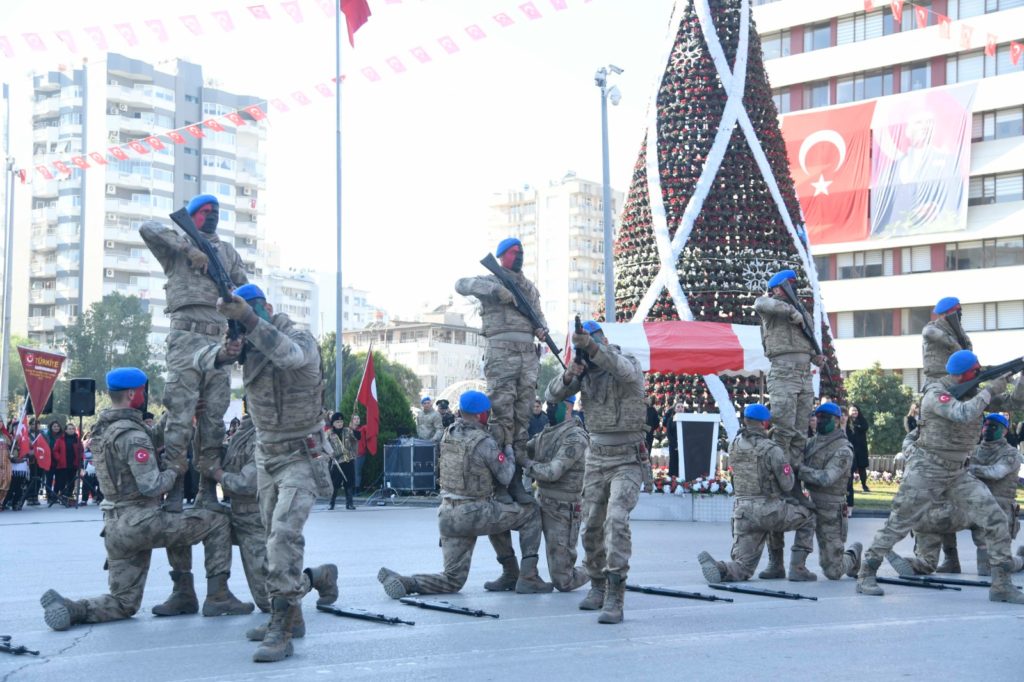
<point>183,598</point>
<point>324,579</point>
<point>529,581</point>
<point>903,567</point>
<point>983,567</point>
<point>952,562</point>
<point>277,644</point>
<point>60,613</point>
<point>866,582</point>
<point>714,571</point>
<point>798,572</point>
<point>395,585</point>
<point>851,559</point>
<point>206,498</point>
<point>614,596</point>
<point>298,627</point>
<point>595,597</point>
<point>775,570</point>
<point>579,579</point>
<point>506,582</point>
<point>219,600</point>
<point>1003,588</point>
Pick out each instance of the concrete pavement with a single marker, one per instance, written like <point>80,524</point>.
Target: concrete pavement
<point>909,633</point>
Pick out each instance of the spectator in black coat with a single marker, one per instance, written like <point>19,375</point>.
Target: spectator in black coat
<point>538,420</point>
<point>857,433</point>
<point>673,439</point>
<point>653,422</point>
<point>910,421</point>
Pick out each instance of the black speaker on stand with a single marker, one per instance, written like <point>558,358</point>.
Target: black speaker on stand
<point>409,465</point>
<point>82,400</point>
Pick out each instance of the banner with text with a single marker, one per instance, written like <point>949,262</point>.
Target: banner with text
<point>41,371</point>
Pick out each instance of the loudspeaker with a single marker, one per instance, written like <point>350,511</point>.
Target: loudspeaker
<point>49,406</point>
<point>82,399</point>
<point>409,465</point>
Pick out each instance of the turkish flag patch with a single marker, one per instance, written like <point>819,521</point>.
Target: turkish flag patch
<point>945,398</point>
<point>786,469</point>
<point>501,457</point>
<point>141,456</point>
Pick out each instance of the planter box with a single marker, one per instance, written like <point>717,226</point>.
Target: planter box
<point>684,507</point>
<point>712,508</point>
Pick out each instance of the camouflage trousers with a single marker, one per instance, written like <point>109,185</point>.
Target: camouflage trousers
<point>461,522</point>
<point>939,533</point>
<point>184,388</point>
<point>249,533</point>
<point>511,370</point>
<point>131,534</point>
<point>286,495</point>
<point>561,523</point>
<point>610,493</point>
<point>792,398</point>
<point>753,520</point>
<point>930,481</point>
<point>830,528</point>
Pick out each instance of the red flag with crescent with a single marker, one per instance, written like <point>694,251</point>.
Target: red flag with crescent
<point>830,160</point>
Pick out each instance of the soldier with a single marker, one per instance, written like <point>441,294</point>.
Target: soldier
<point>284,383</point>
<point>344,446</point>
<point>429,424</point>
<point>470,464</point>
<point>195,323</point>
<point>761,476</point>
<point>617,465</point>
<point>789,388</point>
<point>948,430</point>
<point>133,523</point>
<point>825,472</point>
<point>447,416</point>
<point>511,364</point>
<point>555,458</point>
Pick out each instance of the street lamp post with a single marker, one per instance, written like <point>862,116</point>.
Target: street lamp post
<point>607,93</point>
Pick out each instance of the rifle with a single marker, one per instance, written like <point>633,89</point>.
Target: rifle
<point>360,614</point>
<point>762,593</point>
<point>664,592</point>
<point>581,356</point>
<point>215,269</point>
<point>492,265</point>
<point>916,583</point>
<point>1011,367</point>
<point>447,607</point>
<point>7,648</point>
<point>951,581</point>
<point>807,326</point>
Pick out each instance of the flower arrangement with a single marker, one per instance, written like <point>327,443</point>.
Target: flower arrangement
<point>719,484</point>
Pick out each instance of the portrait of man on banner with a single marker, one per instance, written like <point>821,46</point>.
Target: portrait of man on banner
<point>920,162</point>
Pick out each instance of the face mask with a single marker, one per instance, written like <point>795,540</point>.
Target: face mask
<point>825,426</point>
<point>484,417</point>
<point>512,259</point>
<point>260,310</point>
<point>207,221</point>
<point>993,431</point>
<point>138,401</point>
<point>556,413</point>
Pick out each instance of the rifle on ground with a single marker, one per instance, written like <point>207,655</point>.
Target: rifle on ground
<point>1011,367</point>
<point>950,581</point>
<point>492,265</point>
<point>907,582</point>
<point>665,592</point>
<point>7,648</point>
<point>759,592</point>
<point>807,327</point>
<point>215,269</point>
<point>360,614</point>
<point>447,607</point>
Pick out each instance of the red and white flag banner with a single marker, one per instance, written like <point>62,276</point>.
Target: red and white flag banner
<point>41,371</point>
<point>692,347</point>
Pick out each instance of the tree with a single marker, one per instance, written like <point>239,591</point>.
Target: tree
<point>549,369</point>
<point>732,234</point>
<point>352,366</point>
<point>15,376</point>
<point>883,399</point>
<point>327,358</point>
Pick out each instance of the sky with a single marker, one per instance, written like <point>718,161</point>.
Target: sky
<point>423,151</point>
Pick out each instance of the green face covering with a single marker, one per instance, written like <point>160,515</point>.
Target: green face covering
<point>993,431</point>
<point>260,310</point>
<point>826,425</point>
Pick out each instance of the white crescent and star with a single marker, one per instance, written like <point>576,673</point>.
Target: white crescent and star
<point>825,137</point>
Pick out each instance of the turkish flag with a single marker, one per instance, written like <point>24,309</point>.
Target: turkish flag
<point>367,397</point>
<point>1015,50</point>
<point>830,160</point>
<point>356,12</point>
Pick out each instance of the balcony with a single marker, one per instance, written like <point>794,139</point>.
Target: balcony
<point>127,263</point>
<point>43,323</point>
<point>42,296</point>
<point>43,269</point>
<point>44,215</point>
<point>139,97</point>
<point>251,179</point>
<point>45,134</point>
<point>132,125</point>
<point>122,234</point>
<point>249,228</point>
<point>46,107</point>
<point>129,207</point>
<point>45,188</point>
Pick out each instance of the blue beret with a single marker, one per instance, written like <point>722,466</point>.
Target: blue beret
<point>781,277</point>
<point>757,412</point>
<point>961,361</point>
<point>829,408</point>
<point>424,399</point>
<point>201,200</point>
<point>571,400</point>
<point>123,378</point>
<point>249,292</point>
<point>507,244</point>
<point>590,327</point>
<point>946,304</point>
<point>996,417</point>
<point>474,402</point>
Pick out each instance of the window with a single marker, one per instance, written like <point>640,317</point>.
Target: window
<point>988,253</point>
<point>1009,187</point>
<point>191,98</point>
<point>857,27</point>
<point>963,9</point>
<point>1004,64</point>
<point>992,316</point>
<point>191,151</point>
<point>915,77</point>
<point>968,66</point>
<point>823,264</point>
<point>864,264</point>
<point>916,259</point>
<point>817,36</point>
<point>1007,251</point>
<point>863,86</point>
<point>981,190</point>
<point>993,189</point>
<point>964,255</point>
<point>889,25</point>
<point>782,100</point>
<point>190,178</point>
<point>910,18</point>
<point>872,323</point>
<point>913,320</point>
<point>816,95</point>
<point>775,45</point>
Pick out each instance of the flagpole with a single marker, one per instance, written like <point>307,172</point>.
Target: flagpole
<point>339,303</point>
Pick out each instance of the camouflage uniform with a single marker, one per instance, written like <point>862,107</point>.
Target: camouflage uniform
<point>195,324</point>
<point>939,340</point>
<point>558,456</point>
<point>470,465</point>
<point>511,364</point>
<point>429,426</point>
<point>761,475</point>
<point>825,471</point>
<point>134,524</point>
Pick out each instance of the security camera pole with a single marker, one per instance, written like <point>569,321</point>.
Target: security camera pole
<point>601,81</point>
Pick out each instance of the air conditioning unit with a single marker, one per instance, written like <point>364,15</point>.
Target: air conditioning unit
<point>112,110</point>
<point>111,189</point>
<point>109,273</point>
<point>123,107</point>
<point>111,217</point>
<point>114,136</point>
<point>110,244</point>
<point>247,191</point>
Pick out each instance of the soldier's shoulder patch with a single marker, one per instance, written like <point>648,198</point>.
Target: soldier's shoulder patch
<point>945,397</point>
<point>501,456</point>
<point>142,455</point>
<point>786,469</point>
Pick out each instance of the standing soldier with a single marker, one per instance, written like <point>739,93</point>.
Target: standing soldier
<point>471,463</point>
<point>948,431</point>
<point>761,477</point>
<point>284,384</point>
<point>511,364</point>
<point>133,523</point>
<point>429,424</point>
<point>825,472</point>
<point>195,323</point>
<point>612,384</point>
<point>790,391</point>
